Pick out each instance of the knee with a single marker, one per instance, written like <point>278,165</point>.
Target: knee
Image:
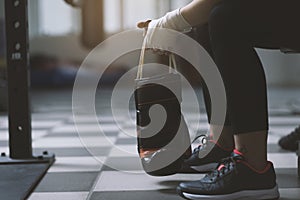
<point>224,17</point>
<point>201,35</point>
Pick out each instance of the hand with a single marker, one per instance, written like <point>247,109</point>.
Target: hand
<point>157,32</point>
<point>145,25</point>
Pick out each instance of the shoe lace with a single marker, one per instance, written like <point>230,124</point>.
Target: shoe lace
<point>225,166</point>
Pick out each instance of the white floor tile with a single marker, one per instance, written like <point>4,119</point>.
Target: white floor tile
<point>127,135</point>
<point>3,135</point>
<point>4,150</point>
<point>59,196</point>
<point>286,160</point>
<point>4,124</point>
<point>111,119</point>
<point>273,139</point>
<point>83,119</point>
<point>50,116</point>
<point>122,181</point>
<point>46,124</point>
<point>282,130</point>
<point>127,132</point>
<point>69,142</point>
<point>289,193</point>
<point>86,128</point>
<point>124,151</point>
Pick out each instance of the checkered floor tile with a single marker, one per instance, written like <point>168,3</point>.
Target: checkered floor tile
<point>96,166</point>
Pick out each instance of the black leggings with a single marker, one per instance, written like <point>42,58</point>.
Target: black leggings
<point>234,28</point>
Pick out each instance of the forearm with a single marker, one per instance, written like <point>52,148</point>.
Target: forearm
<point>197,12</point>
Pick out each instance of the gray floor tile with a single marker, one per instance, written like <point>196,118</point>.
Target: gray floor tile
<point>77,164</point>
<point>67,182</point>
<point>3,143</point>
<point>137,195</point>
<point>107,168</point>
<point>54,115</point>
<point>275,148</point>
<point>289,194</point>
<point>124,163</point>
<point>287,178</point>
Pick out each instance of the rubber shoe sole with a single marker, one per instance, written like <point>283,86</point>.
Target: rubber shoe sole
<point>269,194</point>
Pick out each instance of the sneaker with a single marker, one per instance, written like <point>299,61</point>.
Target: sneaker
<point>290,141</point>
<point>233,179</point>
<point>206,156</point>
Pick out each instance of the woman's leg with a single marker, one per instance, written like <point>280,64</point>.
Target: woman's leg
<point>220,143</point>
<point>221,134</point>
<point>236,27</point>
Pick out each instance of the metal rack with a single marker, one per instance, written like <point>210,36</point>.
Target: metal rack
<point>16,171</point>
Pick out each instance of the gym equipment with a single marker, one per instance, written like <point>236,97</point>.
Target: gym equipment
<point>21,171</point>
<point>161,151</point>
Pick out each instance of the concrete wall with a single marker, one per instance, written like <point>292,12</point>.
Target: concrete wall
<point>281,69</point>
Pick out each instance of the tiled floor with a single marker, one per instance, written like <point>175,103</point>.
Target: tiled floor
<point>109,168</point>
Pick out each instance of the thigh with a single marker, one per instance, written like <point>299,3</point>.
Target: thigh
<point>268,23</point>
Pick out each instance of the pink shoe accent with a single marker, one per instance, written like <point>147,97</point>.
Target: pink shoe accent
<point>238,152</point>
<point>268,166</point>
<point>220,167</point>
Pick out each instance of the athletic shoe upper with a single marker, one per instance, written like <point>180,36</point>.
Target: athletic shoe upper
<point>232,179</point>
<point>206,156</point>
<point>290,141</point>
